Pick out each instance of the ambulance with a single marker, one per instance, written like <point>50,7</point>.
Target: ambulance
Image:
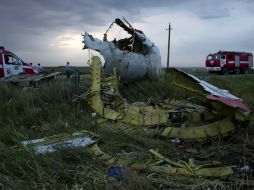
<point>10,64</point>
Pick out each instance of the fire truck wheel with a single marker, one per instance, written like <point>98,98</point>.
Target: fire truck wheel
<point>237,71</point>
<point>225,71</point>
<point>246,71</point>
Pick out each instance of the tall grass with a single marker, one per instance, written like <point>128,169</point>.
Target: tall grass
<point>28,113</point>
<point>32,112</point>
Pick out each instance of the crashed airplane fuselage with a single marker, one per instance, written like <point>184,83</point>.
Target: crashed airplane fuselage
<point>134,57</point>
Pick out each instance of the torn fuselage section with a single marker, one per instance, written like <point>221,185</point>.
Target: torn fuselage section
<point>184,119</point>
<point>134,57</point>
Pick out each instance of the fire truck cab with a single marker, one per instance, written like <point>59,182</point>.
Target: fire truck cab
<point>229,61</point>
<point>10,64</point>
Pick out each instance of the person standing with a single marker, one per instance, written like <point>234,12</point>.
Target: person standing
<point>68,70</point>
<point>39,68</point>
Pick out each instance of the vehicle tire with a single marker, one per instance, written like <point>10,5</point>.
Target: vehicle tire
<point>224,71</point>
<point>246,71</point>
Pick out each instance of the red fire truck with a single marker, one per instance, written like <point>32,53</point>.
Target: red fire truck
<point>10,64</point>
<point>229,62</point>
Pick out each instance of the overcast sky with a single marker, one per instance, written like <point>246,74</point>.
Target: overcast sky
<point>49,32</point>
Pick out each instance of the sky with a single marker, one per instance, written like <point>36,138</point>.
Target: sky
<point>49,32</point>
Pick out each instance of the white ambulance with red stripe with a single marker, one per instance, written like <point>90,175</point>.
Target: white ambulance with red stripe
<point>229,62</point>
<point>10,64</point>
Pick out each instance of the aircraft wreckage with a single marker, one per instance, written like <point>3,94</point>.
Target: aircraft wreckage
<point>217,114</point>
<point>134,57</point>
<point>201,110</point>
<point>90,140</point>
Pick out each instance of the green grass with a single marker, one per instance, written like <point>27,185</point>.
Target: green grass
<point>28,113</point>
<point>82,70</point>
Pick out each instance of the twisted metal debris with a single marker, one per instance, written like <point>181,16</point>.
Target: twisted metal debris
<point>224,113</point>
<point>133,58</point>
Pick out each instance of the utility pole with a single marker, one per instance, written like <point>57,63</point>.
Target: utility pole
<point>169,29</point>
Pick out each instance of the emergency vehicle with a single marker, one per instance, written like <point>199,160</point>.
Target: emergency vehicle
<point>229,61</point>
<point>10,64</point>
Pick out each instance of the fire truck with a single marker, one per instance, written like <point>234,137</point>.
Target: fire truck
<point>229,62</point>
<point>10,64</point>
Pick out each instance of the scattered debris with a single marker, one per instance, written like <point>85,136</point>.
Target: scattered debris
<point>183,168</point>
<point>219,113</point>
<point>27,80</point>
<point>84,139</point>
<point>190,85</point>
<point>114,106</point>
<point>202,111</point>
<point>50,144</point>
<point>245,169</point>
<point>118,173</point>
<point>176,140</point>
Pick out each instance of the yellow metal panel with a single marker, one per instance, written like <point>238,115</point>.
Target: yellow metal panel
<point>221,127</point>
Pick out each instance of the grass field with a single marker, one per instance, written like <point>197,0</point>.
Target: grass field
<point>28,113</point>
<point>82,70</point>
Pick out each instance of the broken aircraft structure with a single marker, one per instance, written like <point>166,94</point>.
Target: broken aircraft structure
<point>30,80</point>
<point>134,57</point>
<point>218,113</point>
<point>200,111</point>
<point>90,140</point>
